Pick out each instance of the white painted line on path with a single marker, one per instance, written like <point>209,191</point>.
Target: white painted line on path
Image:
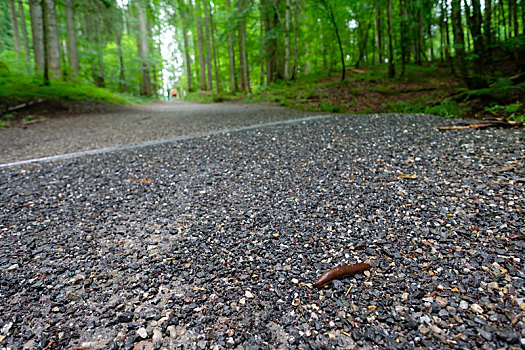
<point>161,141</point>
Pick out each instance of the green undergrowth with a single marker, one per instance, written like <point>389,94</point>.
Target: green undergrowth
<point>17,88</point>
<point>446,108</point>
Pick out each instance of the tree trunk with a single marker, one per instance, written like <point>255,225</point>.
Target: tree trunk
<point>24,29</point>
<point>487,31</point>
<point>118,40</point>
<point>215,61</point>
<point>391,65</point>
<point>145,86</point>
<point>200,43</point>
<point>208,42</point>
<point>459,38</point>
<point>187,59</point>
<point>379,37</point>
<point>245,78</point>
<point>295,53</point>
<point>72,50</point>
<point>403,34</point>
<point>14,24</point>
<point>363,38</point>
<point>37,29</point>
<point>332,18</point>
<point>53,44</point>
<point>231,56</point>
<point>514,10</point>
<point>45,45</point>
<point>474,23</point>
<point>287,40</point>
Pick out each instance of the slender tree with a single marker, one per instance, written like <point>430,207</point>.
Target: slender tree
<point>37,29</point>
<point>187,60</point>
<point>72,50</point>
<point>14,23</point>
<point>24,29</point>
<point>328,7</point>
<point>231,55</point>
<point>145,86</point>
<point>391,66</point>
<point>208,44</point>
<point>52,43</point>
<point>200,42</point>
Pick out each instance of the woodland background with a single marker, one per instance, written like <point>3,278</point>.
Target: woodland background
<point>435,56</point>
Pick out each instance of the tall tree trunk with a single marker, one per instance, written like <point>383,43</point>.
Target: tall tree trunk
<point>444,10</point>
<point>14,24</point>
<point>187,60</point>
<point>37,29</point>
<point>72,50</point>
<point>287,40</point>
<point>145,86</point>
<point>215,60</point>
<point>474,23</point>
<point>231,56</point>
<point>391,65</point>
<point>403,35</point>
<point>24,29</point>
<point>118,40</point>
<point>208,42</point>
<point>295,53</point>
<point>53,44</point>
<point>200,43</point>
<point>379,37</point>
<point>487,31</point>
<point>459,38</point>
<point>45,44</point>
<point>514,10</point>
<point>332,18</point>
<point>362,40</point>
<point>245,81</point>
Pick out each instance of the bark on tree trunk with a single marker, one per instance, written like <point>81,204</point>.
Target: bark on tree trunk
<point>118,39</point>
<point>231,56</point>
<point>145,86</point>
<point>200,43</point>
<point>24,29</point>
<point>332,18</point>
<point>487,29</point>
<point>391,65</point>
<point>182,7</point>
<point>474,23</point>
<point>215,61</point>
<point>295,53</point>
<point>53,44</point>
<point>245,81</point>
<point>287,40</point>
<point>379,37</point>
<point>37,29</point>
<point>208,42</point>
<point>14,24</point>
<point>404,41</point>
<point>72,50</point>
<point>459,40</point>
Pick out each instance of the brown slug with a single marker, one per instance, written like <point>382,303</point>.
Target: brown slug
<point>341,272</point>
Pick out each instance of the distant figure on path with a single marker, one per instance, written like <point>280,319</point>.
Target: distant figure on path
<point>168,94</point>
<point>174,93</point>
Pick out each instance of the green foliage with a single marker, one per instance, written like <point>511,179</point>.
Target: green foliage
<point>509,112</point>
<point>331,108</point>
<point>15,88</point>
<point>198,97</point>
<point>446,108</point>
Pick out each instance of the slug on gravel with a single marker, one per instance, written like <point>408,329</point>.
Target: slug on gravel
<point>341,272</point>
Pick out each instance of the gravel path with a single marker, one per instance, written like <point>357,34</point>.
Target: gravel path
<point>131,125</point>
<point>216,241</point>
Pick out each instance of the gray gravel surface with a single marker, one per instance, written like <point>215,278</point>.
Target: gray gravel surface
<point>215,242</point>
<point>131,125</point>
